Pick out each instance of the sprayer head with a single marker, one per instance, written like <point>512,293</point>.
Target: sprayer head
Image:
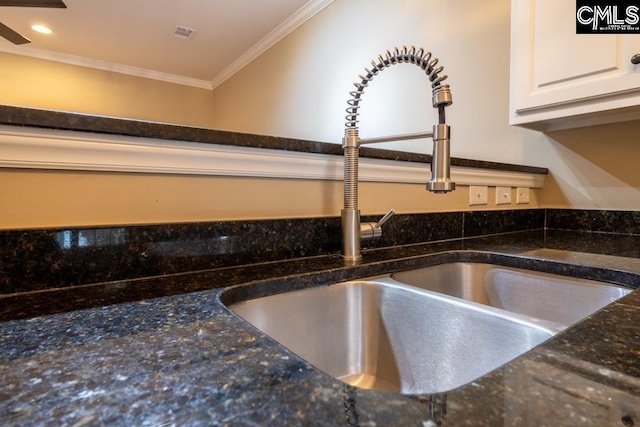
<point>441,161</point>
<point>442,96</point>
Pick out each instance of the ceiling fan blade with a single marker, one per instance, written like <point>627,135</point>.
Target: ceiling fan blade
<point>34,3</point>
<point>17,38</point>
<point>12,36</point>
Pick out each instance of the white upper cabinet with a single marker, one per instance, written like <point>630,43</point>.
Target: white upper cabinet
<point>560,79</point>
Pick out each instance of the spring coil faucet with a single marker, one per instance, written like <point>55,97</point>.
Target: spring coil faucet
<point>352,230</point>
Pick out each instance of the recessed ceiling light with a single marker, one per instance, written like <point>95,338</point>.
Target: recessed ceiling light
<point>41,29</point>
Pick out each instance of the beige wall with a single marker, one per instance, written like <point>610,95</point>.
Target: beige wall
<point>38,83</point>
<point>595,167</point>
<point>41,199</point>
<point>299,89</point>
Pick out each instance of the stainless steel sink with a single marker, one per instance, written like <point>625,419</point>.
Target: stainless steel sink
<point>428,330</point>
<point>382,335</point>
<point>561,299</point>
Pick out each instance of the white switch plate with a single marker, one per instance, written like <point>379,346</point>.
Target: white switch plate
<point>478,195</point>
<point>522,195</point>
<point>503,195</point>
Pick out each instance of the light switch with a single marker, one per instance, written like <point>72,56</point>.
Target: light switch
<point>478,195</point>
<point>503,195</point>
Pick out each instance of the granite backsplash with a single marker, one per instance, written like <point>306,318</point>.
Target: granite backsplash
<point>32,260</point>
<point>44,259</point>
<point>594,221</point>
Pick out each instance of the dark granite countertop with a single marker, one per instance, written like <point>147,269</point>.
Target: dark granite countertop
<point>61,120</point>
<point>185,360</point>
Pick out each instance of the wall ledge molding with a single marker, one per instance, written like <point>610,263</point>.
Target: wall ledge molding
<point>29,148</point>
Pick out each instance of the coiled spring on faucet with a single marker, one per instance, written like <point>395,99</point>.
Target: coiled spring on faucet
<point>411,55</point>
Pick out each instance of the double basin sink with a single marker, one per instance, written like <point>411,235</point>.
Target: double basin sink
<point>427,330</point>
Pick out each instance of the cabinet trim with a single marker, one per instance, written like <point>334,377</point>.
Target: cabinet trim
<point>578,100</point>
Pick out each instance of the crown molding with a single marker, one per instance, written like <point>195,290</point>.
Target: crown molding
<point>104,66</point>
<point>29,148</point>
<point>303,14</point>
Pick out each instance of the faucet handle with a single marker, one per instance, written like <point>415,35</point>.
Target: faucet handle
<point>370,230</point>
<point>385,218</point>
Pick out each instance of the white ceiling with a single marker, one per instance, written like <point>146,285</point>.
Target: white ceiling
<point>136,36</point>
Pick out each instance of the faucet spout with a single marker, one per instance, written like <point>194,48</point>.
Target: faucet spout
<point>352,230</point>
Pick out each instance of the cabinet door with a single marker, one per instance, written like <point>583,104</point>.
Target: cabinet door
<point>557,73</point>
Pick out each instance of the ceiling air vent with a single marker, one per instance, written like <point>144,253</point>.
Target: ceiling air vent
<point>183,32</point>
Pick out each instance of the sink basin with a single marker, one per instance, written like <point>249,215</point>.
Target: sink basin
<point>378,334</point>
<point>427,330</point>
<point>561,299</point>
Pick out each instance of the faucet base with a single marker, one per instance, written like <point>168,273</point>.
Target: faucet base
<point>441,187</point>
<point>351,234</point>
